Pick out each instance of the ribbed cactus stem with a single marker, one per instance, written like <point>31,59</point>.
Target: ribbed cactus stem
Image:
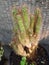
<point>20,24</point>
<point>14,13</point>
<point>20,29</point>
<point>16,27</point>
<point>38,25</point>
<point>38,20</point>
<point>32,24</point>
<point>24,37</point>
<point>25,16</point>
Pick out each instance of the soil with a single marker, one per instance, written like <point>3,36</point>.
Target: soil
<point>4,60</point>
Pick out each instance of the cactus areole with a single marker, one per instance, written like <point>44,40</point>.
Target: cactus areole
<point>26,29</point>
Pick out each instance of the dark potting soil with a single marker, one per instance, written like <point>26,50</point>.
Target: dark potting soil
<point>4,60</point>
<point>41,58</point>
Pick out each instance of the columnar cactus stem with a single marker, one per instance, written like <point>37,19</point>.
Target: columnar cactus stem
<point>20,30</point>
<point>25,16</point>
<point>38,21</point>
<point>24,37</point>
<point>20,24</point>
<point>32,24</point>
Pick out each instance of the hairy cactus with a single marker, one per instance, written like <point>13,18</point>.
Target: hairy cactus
<point>26,18</point>
<point>37,21</point>
<point>31,29</point>
<point>25,29</point>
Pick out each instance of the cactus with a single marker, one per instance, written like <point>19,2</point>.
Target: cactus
<point>16,27</point>
<point>25,16</point>
<point>20,29</point>
<point>20,24</point>
<point>31,24</point>
<point>23,33</point>
<point>23,24</point>
<point>38,25</point>
<point>38,20</point>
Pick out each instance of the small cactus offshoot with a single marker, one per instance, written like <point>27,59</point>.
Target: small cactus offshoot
<point>1,52</point>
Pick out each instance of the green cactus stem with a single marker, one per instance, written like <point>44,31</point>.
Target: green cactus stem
<point>20,29</point>
<point>38,21</point>
<point>20,24</point>
<point>25,16</point>
<point>38,25</point>
<point>32,24</point>
<point>24,37</point>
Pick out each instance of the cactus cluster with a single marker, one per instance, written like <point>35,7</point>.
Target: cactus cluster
<point>26,27</point>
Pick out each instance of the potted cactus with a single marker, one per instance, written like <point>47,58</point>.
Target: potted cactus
<point>26,30</point>
<point>26,34</point>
